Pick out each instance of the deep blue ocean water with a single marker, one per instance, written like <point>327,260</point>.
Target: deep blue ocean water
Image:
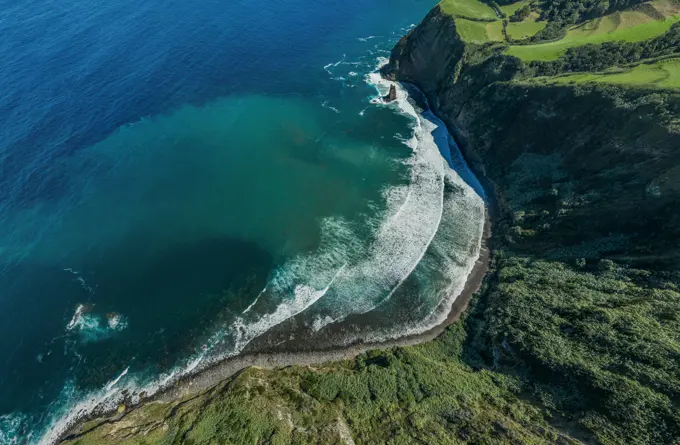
<point>178,179</point>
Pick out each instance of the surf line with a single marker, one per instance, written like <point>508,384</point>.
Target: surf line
<point>305,298</point>
<point>421,141</point>
<point>420,257</point>
<point>117,379</point>
<point>256,300</point>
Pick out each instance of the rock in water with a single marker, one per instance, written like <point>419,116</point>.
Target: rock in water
<point>392,95</point>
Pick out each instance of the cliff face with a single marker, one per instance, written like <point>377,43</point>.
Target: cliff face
<point>581,171</point>
<point>448,70</point>
<point>583,302</point>
<point>429,54</point>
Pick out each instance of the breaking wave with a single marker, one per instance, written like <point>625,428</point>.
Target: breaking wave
<point>93,327</point>
<point>355,270</point>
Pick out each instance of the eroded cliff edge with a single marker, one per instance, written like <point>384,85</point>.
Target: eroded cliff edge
<point>584,300</point>
<point>581,170</point>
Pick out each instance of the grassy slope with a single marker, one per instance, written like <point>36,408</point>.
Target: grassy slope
<point>476,22</point>
<point>510,9</point>
<point>477,31</point>
<point>468,8</point>
<point>606,339</point>
<point>422,394</point>
<point>632,26</point>
<point>662,74</point>
<point>524,29</point>
<point>494,31</point>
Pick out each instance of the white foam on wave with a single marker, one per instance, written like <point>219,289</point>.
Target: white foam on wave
<point>11,429</point>
<point>342,61</point>
<point>116,322</point>
<point>410,225</point>
<point>91,327</point>
<point>304,297</point>
<point>456,250</point>
<point>333,65</point>
<point>106,399</point>
<point>113,382</point>
<point>326,105</point>
<point>321,322</point>
<point>80,279</point>
<point>406,228</point>
<point>358,278</point>
<point>462,214</point>
<point>255,301</point>
<point>330,68</point>
<point>77,316</point>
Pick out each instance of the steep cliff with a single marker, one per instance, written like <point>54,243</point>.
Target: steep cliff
<point>449,70</point>
<point>584,302</point>
<point>583,171</point>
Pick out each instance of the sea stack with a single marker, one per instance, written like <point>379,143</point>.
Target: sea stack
<point>392,95</point>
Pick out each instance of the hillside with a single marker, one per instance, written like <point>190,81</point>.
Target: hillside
<point>575,335</point>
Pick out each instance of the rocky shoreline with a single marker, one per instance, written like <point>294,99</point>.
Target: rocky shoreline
<point>218,373</point>
<point>271,360</point>
<point>228,368</point>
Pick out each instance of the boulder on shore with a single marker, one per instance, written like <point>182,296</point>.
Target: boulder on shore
<point>392,95</point>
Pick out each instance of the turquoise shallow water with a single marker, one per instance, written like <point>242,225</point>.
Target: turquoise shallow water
<point>180,180</point>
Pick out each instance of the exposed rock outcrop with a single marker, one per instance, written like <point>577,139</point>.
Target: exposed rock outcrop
<point>595,164</point>
<point>392,95</point>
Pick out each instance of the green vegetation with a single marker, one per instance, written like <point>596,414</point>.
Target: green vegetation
<point>593,58</point>
<point>524,22</point>
<point>593,338</point>
<point>662,74</point>
<point>479,32</point>
<point>524,29</point>
<point>627,26</point>
<point>575,11</point>
<point>511,8</point>
<point>470,9</point>
<point>476,21</point>
<point>521,14</point>
<point>422,394</point>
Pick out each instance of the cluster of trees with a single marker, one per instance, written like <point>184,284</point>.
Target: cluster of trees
<point>598,343</point>
<point>575,11</point>
<point>560,14</point>
<point>552,31</point>
<point>521,14</point>
<point>598,57</point>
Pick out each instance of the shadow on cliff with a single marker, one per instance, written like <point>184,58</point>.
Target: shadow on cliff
<point>448,147</point>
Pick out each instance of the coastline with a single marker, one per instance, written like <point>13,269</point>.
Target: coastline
<point>271,360</point>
